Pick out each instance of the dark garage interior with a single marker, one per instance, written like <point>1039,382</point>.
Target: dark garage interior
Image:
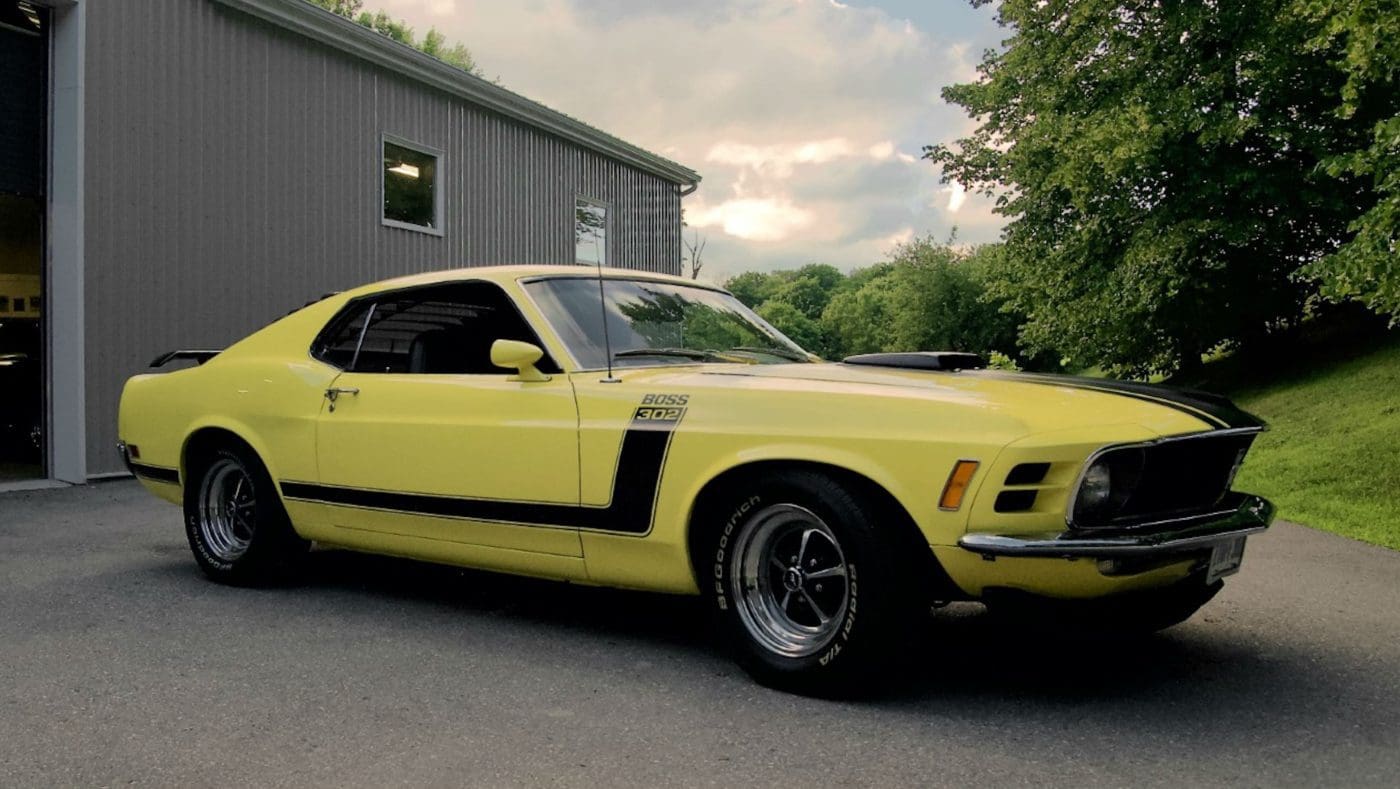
<point>23,173</point>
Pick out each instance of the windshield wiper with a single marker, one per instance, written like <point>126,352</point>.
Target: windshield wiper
<point>781,353</point>
<point>684,353</point>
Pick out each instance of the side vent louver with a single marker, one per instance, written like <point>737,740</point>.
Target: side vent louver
<point>1015,500</point>
<point>1021,500</point>
<point>1027,474</point>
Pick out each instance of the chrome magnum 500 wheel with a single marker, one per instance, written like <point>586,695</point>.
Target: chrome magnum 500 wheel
<point>791,574</point>
<point>237,528</point>
<point>227,509</point>
<point>810,583</point>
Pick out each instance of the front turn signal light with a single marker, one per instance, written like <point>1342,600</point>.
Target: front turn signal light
<point>957,485</point>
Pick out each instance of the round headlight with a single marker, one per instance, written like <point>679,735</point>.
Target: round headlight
<point>1096,488</point>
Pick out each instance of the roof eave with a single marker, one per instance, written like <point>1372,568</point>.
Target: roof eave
<point>347,36</point>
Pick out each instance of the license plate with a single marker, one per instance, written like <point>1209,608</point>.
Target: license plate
<point>1225,559</point>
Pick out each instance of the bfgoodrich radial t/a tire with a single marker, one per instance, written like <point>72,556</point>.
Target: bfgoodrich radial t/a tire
<point>810,592</point>
<point>237,529</point>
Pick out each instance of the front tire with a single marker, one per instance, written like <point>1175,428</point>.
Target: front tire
<point>237,528</point>
<point>808,589</point>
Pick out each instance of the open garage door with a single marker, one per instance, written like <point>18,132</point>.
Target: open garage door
<point>24,38</point>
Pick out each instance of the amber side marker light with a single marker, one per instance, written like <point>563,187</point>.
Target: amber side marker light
<point>957,485</point>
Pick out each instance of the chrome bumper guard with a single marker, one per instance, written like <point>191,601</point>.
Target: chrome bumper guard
<point>125,456</point>
<point>1252,515</point>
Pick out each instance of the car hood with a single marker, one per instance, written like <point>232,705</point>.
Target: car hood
<point>1036,401</point>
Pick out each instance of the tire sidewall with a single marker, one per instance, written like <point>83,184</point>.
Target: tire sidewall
<point>272,542</point>
<point>859,641</point>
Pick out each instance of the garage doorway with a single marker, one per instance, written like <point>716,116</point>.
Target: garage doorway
<point>24,58</point>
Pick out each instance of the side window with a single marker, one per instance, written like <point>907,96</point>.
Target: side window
<point>590,232</point>
<point>337,343</point>
<point>441,330</point>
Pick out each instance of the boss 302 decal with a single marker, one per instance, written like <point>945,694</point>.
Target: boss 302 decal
<point>640,464</point>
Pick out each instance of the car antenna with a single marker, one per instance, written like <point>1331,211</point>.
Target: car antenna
<point>607,342</point>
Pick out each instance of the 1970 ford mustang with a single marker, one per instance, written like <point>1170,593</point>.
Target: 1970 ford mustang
<point>643,431</point>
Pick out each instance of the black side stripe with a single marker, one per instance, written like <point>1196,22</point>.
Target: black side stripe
<point>156,473</point>
<point>636,481</point>
<point>1202,405</point>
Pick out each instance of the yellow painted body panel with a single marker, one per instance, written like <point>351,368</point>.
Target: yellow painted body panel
<point>558,442</point>
<point>454,435</point>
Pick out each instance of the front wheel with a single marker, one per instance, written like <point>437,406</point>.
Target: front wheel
<point>808,587</point>
<point>237,529</point>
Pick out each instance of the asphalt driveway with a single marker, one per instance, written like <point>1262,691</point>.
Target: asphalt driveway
<point>120,664</point>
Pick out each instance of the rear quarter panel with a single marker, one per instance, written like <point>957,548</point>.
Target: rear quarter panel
<point>266,389</point>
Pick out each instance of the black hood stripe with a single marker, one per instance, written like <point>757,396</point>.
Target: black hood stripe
<point>1210,408</point>
<point>636,481</point>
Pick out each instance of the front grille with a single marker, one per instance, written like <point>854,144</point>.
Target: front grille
<point>1167,480</point>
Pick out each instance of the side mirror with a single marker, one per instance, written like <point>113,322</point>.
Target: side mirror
<point>520,356</point>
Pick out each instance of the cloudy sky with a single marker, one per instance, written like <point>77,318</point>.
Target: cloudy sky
<point>806,118</point>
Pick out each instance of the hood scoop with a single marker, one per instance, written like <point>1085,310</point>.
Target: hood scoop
<point>920,360</point>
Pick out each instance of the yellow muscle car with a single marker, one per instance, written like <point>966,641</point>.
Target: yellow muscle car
<point>643,431</point>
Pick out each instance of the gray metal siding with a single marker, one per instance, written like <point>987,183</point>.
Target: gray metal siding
<point>233,174</point>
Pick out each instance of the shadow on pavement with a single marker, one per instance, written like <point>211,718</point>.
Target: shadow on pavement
<point>962,654</point>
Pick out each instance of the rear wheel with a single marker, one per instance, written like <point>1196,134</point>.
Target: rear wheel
<point>237,529</point>
<point>808,589</point>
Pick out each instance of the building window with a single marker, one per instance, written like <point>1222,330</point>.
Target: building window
<point>590,232</point>
<point>412,199</point>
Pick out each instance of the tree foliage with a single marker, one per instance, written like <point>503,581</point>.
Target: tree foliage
<point>1366,36</point>
<point>926,296</point>
<point>1168,169</point>
<point>434,43</point>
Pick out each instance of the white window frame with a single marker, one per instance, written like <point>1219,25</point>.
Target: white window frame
<point>439,181</point>
<point>607,227</point>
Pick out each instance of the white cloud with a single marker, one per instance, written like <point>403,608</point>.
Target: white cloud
<point>764,219</point>
<point>957,195</point>
<point>806,119</point>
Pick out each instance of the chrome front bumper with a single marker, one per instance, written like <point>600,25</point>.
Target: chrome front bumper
<point>1251,516</point>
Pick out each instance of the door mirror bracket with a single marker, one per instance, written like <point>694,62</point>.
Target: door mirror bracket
<point>520,356</point>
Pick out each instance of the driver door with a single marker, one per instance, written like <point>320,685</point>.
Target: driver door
<point>422,437</point>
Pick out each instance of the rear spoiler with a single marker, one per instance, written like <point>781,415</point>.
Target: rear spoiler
<point>199,357</point>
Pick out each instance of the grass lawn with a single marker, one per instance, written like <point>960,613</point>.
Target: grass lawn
<point>1331,457</point>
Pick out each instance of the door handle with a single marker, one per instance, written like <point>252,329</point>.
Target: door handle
<point>336,391</point>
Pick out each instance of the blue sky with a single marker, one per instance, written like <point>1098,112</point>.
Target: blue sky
<point>806,118</point>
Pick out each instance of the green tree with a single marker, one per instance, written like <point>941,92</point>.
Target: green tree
<point>386,25</point>
<point>1367,34</point>
<point>457,54</point>
<point>858,319</point>
<point>810,288</point>
<point>797,326</point>
<point>753,287</point>
<point>345,8</point>
<point>941,302</point>
<point>434,43</point>
<point>1162,167</point>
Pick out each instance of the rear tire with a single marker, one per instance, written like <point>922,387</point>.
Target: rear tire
<point>809,591</point>
<point>237,528</point>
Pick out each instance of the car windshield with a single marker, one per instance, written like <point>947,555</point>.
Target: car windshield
<point>653,323</point>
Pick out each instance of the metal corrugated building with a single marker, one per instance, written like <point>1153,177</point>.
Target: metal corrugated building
<point>215,163</point>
